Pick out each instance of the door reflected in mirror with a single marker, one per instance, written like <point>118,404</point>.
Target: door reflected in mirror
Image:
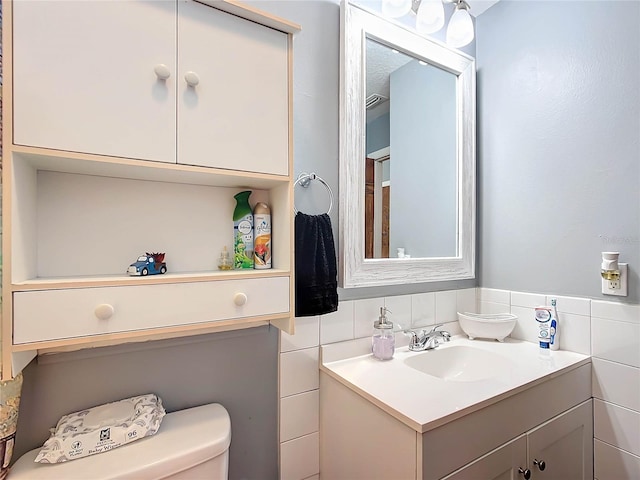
<point>411,167</point>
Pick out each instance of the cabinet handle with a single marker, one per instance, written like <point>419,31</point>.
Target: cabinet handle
<point>540,464</point>
<point>239,299</point>
<point>191,78</point>
<point>162,71</point>
<point>526,473</point>
<point>104,311</point>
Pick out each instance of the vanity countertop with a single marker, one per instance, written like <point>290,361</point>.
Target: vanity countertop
<point>424,402</point>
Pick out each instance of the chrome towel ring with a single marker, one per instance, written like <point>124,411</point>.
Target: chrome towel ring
<point>304,179</point>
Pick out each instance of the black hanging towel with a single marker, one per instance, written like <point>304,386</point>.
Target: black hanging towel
<point>316,269</point>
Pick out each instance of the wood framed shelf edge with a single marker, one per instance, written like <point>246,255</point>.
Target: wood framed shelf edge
<point>107,339</point>
<point>137,169</point>
<point>248,12</point>
<point>119,280</point>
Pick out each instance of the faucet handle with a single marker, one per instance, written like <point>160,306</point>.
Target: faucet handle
<point>436,327</point>
<point>410,333</point>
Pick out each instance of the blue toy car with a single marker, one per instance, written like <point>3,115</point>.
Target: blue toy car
<point>148,264</point>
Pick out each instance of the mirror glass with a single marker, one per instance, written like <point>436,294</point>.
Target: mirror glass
<point>411,159</point>
<point>407,155</point>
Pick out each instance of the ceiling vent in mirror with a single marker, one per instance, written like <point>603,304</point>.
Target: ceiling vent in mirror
<point>374,100</point>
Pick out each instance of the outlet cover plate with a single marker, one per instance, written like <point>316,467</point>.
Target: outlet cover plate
<point>623,291</point>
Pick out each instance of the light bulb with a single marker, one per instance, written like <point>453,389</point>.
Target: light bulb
<point>430,16</point>
<point>395,8</point>
<point>460,29</point>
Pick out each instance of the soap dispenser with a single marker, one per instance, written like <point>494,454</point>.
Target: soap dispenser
<point>383,342</point>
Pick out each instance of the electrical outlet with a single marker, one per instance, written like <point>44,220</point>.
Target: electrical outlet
<point>617,287</point>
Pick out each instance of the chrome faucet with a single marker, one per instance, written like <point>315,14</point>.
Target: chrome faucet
<point>427,340</point>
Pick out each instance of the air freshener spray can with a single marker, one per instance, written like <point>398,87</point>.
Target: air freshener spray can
<point>262,226</point>
<point>242,232</point>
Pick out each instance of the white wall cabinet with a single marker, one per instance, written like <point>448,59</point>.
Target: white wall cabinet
<point>104,160</point>
<point>560,449</point>
<point>116,78</point>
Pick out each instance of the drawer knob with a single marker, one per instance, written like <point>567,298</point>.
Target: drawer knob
<point>104,311</point>
<point>540,464</point>
<point>526,473</point>
<point>192,79</point>
<point>239,299</point>
<point>162,71</point>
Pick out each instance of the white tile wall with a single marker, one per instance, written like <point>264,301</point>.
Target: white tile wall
<point>526,328</point>
<point>307,335</point>
<point>299,415</point>
<point>616,341</point>
<point>366,312</point>
<point>338,326</point>
<point>617,426</point>
<point>611,463</point>
<point>299,371</point>
<point>615,349</point>
<point>531,300</point>
<point>575,333</point>
<point>467,300</point>
<point>494,296</point>
<point>423,309</point>
<point>579,306</point>
<point>446,306</point>
<point>617,311</point>
<point>608,330</point>
<point>400,308</point>
<point>300,458</point>
<point>616,383</point>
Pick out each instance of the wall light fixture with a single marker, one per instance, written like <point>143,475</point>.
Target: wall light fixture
<point>430,18</point>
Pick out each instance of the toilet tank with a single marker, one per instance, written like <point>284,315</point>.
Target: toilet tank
<point>190,444</point>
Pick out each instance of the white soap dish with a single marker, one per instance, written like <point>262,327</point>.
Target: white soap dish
<point>487,325</point>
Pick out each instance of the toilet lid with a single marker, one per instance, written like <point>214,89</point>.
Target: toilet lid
<point>186,438</point>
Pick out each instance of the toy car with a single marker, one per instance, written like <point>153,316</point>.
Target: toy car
<point>148,264</point>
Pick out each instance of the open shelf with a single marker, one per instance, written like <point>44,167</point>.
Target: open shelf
<point>121,280</point>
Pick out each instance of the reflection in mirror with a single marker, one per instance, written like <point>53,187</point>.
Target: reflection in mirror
<point>411,159</point>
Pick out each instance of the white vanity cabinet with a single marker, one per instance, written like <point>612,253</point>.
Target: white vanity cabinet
<point>549,420</point>
<point>128,127</point>
<point>155,80</point>
<point>558,449</point>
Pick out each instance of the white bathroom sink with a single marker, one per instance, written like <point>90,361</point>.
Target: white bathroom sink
<point>459,363</point>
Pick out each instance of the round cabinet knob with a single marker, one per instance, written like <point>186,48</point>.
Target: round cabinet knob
<point>526,473</point>
<point>540,464</point>
<point>239,299</point>
<point>104,311</point>
<point>162,71</point>
<point>192,79</point>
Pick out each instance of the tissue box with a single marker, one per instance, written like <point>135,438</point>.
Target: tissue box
<point>102,428</point>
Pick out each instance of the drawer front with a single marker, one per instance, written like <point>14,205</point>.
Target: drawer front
<point>58,314</point>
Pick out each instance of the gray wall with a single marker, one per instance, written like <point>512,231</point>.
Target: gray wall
<point>377,133</point>
<point>559,144</point>
<point>237,369</point>
<point>423,162</point>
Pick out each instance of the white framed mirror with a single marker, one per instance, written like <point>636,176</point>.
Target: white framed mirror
<point>407,156</point>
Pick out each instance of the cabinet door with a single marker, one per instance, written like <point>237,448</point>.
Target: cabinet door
<point>85,81</point>
<point>236,116</point>
<point>565,445</point>
<point>502,463</point>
